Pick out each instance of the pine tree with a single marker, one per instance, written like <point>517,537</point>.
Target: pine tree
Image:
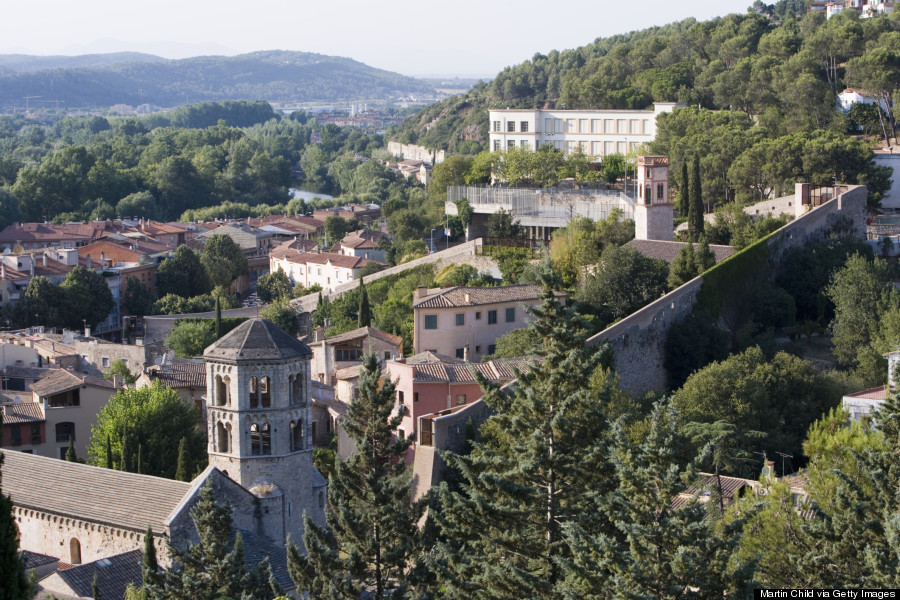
<point>15,582</point>
<point>183,473</point>
<point>695,208</point>
<point>683,268</point>
<point>372,545</point>
<point>364,318</point>
<point>95,587</point>
<point>70,452</point>
<point>109,459</point>
<point>660,550</point>
<point>684,200</point>
<point>527,480</point>
<point>704,257</point>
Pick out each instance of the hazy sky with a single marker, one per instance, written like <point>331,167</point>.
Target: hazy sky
<point>450,37</point>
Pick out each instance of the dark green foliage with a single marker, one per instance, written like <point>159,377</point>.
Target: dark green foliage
<point>183,275</point>
<point>189,338</point>
<point>502,225</point>
<point>150,421</point>
<point>150,575</point>
<point>772,306</point>
<point>283,314</point>
<point>684,200</point>
<point>692,344</point>
<point>218,325</point>
<point>16,584</point>
<point>512,262</point>
<point>223,260</point>
<point>364,315</point>
<point>695,207</point>
<point>372,545</point>
<point>183,470</point>
<point>518,342</point>
<point>70,452</point>
<point>87,299</point>
<point>274,286</point>
<point>95,587</point>
<point>109,459</point>
<point>502,535</point>
<point>138,300</point>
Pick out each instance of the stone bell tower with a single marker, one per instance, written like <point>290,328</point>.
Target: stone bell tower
<point>259,424</point>
<point>653,213</point>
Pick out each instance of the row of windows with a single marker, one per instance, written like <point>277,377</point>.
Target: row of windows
<point>461,352</point>
<point>551,125</point>
<point>431,321</point>
<point>571,146</point>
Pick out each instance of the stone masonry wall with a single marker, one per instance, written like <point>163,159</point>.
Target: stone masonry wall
<point>638,341</point>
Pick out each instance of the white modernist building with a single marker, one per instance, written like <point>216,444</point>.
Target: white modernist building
<point>597,132</point>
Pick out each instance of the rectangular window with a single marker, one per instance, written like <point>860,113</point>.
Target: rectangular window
<point>597,148</point>
<point>645,127</point>
<point>659,191</point>
<point>492,317</point>
<point>415,396</point>
<point>492,348</point>
<point>401,434</point>
<point>596,125</point>
<point>478,316</point>
<point>621,125</point>
<point>558,125</point>
<point>460,319</point>
<point>620,148</point>
<point>584,126</point>
<point>400,396</point>
<point>478,349</point>
<point>571,126</point>
<point>510,144</point>
<point>460,353</point>
<point>523,144</point>
<point>523,126</point>
<point>430,321</point>
<point>548,125</point>
<point>35,434</point>
<point>510,315</point>
<point>570,147</point>
<point>496,125</point>
<point>635,126</point>
<point>496,144</point>
<point>104,361</point>
<point>511,126</point>
<point>460,399</point>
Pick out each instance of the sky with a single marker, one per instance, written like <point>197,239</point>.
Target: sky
<point>466,38</point>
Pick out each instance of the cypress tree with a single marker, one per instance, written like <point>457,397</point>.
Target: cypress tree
<point>372,546</point>
<point>526,482</point>
<point>95,588</point>
<point>109,460</point>
<point>125,465</point>
<point>364,315</point>
<point>683,194</point>
<point>218,318</point>
<point>704,257</point>
<point>683,268</point>
<point>695,208</point>
<point>140,459</point>
<point>150,576</point>
<point>70,452</point>
<point>183,472</point>
<point>15,582</point>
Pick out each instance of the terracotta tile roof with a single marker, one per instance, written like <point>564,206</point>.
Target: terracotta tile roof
<point>475,296</point>
<point>60,380</point>
<point>457,371</point>
<point>180,375</point>
<point>348,372</point>
<point>94,494</point>
<point>707,481</point>
<point>338,260</point>
<point>22,412</point>
<point>667,251</point>
<point>25,372</point>
<point>292,249</point>
<point>363,238</point>
<point>361,333</point>
<point>878,393</point>
<point>114,573</point>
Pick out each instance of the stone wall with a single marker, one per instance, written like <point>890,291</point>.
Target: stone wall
<point>414,152</point>
<point>157,327</point>
<point>638,341</point>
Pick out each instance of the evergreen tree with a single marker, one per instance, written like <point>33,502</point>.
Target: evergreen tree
<point>660,550</point>
<point>15,582</point>
<point>140,459</point>
<point>182,473</point>
<point>364,318</point>
<point>109,459</point>
<point>214,567</point>
<point>218,318</point>
<point>372,546</point>
<point>125,465</point>
<point>527,480</point>
<point>704,257</point>
<point>150,575</point>
<point>695,207</point>
<point>683,268</point>
<point>70,452</point>
<point>95,587</point>
<point>683,194</point>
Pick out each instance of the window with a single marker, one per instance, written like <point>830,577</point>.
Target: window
<point>634,126</point>
<point>523,126</point>
<point>492,317</point>
<point>510,143</point>
<point>496,145</point>
<point>387,355</point>
<point>621,125</point>
<point>584,126</point>
<point>460,319</point>
<point>460,353</point>
<point>609,126</point>
<point>478,316</point>
<point>596,126</point>
<point>511,126</point>
<point>401,434</point>
<point>523,144</point>
<point>400,396</point>
<point>496,125</point>
<point>430,321</point>
<point>16,435</point>
<point>460,399</point>
<point>415,396</point>
<point>65,432</point>
<point>571,126</point>
<point>548,125</point>
<point>104,361</point>
<point>36,433</point>
<point>510,315</point>
<point>297,435</point>
<point>659,191</point>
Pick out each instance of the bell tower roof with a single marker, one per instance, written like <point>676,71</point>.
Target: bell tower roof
<point>257,339</point>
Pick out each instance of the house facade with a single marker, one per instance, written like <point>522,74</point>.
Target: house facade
<point>327,269</point>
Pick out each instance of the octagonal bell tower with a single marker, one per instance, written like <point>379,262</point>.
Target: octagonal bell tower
<point>653,213</point>
<point>259,423</point>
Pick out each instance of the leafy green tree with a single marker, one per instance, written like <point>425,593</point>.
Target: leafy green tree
<point>502,535</point>
<point>878,70</point>
<point>42,303</point>
<point>273,286</point>
<point>95,587</point>
<point>16,584</point>
<point>190,338</point>
<point>623,281</point>
<point>138,300</point>
<point>283,314</point>
<point>516,343</point>
<point>153,419</point>
<point>373,544</point>
<point>183,274</point>
<point>511,262</point>
<point>87,298</point>
<point>139,204</point>
<point>119,370</point>
<point>684,200</point>
<point>214,568</point>
<point>501,224</point>
<point>223,260</point>
<point>659,549</point>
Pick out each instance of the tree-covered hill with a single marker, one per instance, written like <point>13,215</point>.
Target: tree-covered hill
<point>778,64</point>
<point>28,63</point>
<point>276,76</point>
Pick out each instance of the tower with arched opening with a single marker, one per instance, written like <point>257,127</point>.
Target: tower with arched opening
<point>259,423</point>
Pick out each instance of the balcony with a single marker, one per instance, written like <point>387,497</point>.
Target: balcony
<point>63,438</point>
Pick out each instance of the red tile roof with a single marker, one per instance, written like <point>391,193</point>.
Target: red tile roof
<point>474,296</point>
<point>22,412</point>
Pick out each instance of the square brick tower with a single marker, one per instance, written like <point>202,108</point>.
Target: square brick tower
<point>653,213</point>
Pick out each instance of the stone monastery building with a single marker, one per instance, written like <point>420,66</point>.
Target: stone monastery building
<point>260,461</point>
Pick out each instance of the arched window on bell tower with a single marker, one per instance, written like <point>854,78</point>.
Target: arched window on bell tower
<point>297,435</point>
<point>223,437</point>
<point>265,392</point>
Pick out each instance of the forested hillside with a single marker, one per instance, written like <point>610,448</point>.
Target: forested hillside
<point>777,64</point>
<point>276,76</point>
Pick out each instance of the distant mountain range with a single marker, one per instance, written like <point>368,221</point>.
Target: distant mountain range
<point>97,80</point>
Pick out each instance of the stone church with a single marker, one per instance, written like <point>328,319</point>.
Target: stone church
<point>260,461</point>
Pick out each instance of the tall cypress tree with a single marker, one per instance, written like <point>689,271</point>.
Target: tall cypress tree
<point>150,575</point>
<point>183,471</point>
<point>695,209</point>
<point>365,312</point>
<point>70,451</point>
<point>140,459</point>
<point>528,480</point>
<point>125,464</point>
<point>15,583</point>
<point>109,459</point>
<point>95,587</point>
<point>704,257</point>
<point>218,318</point>
<point>684,200</point>
<point>372,545</point>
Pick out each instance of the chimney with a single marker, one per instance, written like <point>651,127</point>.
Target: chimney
<point>87,260</point>
<point>421,291</point>
<point>87,330</point>
<point>45,259</point>
<point>466,353</point>
<point>31,262</point>
<point>468,299</point>
<point>2,270</point>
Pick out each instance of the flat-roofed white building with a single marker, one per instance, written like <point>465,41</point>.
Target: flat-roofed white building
<point>597,132</point>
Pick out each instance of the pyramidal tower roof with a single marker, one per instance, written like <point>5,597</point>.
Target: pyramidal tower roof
<point>257,339</point>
